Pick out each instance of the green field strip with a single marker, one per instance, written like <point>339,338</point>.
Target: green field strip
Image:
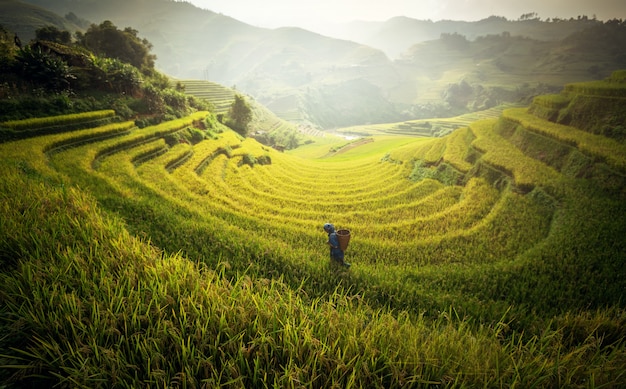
<point>363,219</point>
<point>297,196</point>
<point>477,200</point>
<point>212,218</point>
<point>62,143</point>
<point>265,180</point>
<point>336,165</point>
<point>600,147</point>
<point>98,152</point>
<point>206,211</point>
<point>222,150</point>
<point>439,213</point>
<point>553,101</point>
<point>428,127</point>
<point>157,152</point>
<point>250,203</point>
<point>335,180</point>
<point>343,202</point>
<point>8,134</point>
<point>131,141</point>
<point>112,173</point>
<point>418,152</point>
<point>178,155</point>
<point>457,145</point>
<point>527,172</point>
<point>91,135</point>
<point>527,225</point>
<point>342,172</point>
<point>145,135</point>
<point>597,88</point>
<point>144,153</point>
<point>398,188</point>
<point>231,210</point>
<point>312,208</point>
<point>229,199</point>
<point>207,150</point>
<point>59,120</point>
<point>354,185</point>
<point>220,96</point>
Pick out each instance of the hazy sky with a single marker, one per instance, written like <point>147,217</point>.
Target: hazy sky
<point>309,13</point>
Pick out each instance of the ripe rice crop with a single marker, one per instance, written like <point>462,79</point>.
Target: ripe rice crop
<point>128,261</point>
<point>34,123</point>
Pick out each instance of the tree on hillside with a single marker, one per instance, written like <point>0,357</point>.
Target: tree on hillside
<point>43,69</point>
<point>53,34</point>
<point>109,41</point>
<point>529,16</point>
<point>7,50</point>
<point>458,95</point>
<point>239,115</point>
<point>454,41</point>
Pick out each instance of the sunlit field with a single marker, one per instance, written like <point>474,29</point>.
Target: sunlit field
<point>490,257</point>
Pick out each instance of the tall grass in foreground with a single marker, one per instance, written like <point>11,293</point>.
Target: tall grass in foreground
<point>85,304</point>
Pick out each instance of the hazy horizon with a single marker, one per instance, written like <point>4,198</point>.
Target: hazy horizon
<point>324,13</point>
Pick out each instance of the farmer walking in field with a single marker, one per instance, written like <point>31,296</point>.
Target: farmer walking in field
<point>336,252</point>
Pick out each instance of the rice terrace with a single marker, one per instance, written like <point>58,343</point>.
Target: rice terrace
<point>491,256</point>
<point>487,249</point>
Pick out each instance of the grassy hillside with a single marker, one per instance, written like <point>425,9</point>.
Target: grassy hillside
<point>425,127</point>
<point>486,258</point>
<point>265,126</point>
<point>509,68</point>
<point>23,19</point>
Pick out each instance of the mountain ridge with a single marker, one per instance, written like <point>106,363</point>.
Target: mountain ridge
<point>325,78</point>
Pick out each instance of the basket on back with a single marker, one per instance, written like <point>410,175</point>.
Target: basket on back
<point>344,239</point>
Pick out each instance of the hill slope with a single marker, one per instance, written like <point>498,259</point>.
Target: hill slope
<point>265,126</point>
<point>499,262</point>
<point>23,19</point>
<point>396,35</point>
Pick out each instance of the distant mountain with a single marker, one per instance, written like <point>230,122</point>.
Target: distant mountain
<point>379,72</point>
<point>398,34</point>
<point>23,19</point>
<point>275,66</point>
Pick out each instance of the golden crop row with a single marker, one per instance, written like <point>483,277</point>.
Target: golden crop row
<point>457,144</point>
<point>242,202</point>
<point>283,205</point>
<point>605,148</point>
<point>527,172</point>
<point>145,135</point>
<point>598,88</point>
<point>34,123</point>
<point>355,189</point>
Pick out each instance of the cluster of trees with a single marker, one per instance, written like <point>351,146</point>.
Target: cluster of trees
<point>239,115</point>
<point>103,59</point>
<point>454,41</point>
<point>125,45</point>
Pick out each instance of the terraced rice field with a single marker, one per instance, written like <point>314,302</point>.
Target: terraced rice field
<point>220,96</point>
<point>489,257</point>
<point>426,127</point>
